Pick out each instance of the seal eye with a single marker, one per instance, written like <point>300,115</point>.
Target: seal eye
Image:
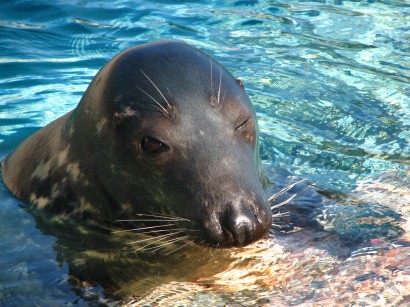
<point>242,125</point>
<point>153,146</point>
<point>246,129</point>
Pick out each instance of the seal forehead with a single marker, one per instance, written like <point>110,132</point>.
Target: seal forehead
<point>165,77</point>
<point>166,62</point>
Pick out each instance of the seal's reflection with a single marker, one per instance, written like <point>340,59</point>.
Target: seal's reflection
<point>101,256</point>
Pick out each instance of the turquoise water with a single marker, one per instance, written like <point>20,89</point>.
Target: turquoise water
<point>330,81</point>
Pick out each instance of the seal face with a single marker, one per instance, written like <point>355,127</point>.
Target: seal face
<point>161,129</point>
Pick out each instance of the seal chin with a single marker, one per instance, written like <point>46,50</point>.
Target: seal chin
<point>239,226</point>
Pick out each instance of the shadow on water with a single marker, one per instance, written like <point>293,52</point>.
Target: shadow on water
<point>353,220</point>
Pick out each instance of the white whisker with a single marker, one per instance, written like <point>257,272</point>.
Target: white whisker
<point>152,249</point>
<point>164,216</point>
<point>272,231</point>
<point>177,249</point>
<point>160,230</point>
<point>158,104</point>
<point>220,83</point>
<point>147,220</point>
<point>284,190</point>
<point>283,202</point>
<point>156,237</point>
<point>280,214</point>
<point>169,105</point>
<point>143,228</point>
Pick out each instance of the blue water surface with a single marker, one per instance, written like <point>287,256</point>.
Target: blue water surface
<point>330,80</point>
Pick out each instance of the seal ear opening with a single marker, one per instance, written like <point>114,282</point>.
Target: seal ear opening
<point>240,83</point>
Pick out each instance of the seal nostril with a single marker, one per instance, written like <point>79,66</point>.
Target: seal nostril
<point>241,226</point>
<point>243,229</point>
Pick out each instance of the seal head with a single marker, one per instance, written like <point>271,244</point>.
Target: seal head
<point>161,129</point>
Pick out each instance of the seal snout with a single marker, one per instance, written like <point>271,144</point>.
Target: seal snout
<point>244,223</point>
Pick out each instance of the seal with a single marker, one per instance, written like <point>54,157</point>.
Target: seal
<point>162,130</point>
